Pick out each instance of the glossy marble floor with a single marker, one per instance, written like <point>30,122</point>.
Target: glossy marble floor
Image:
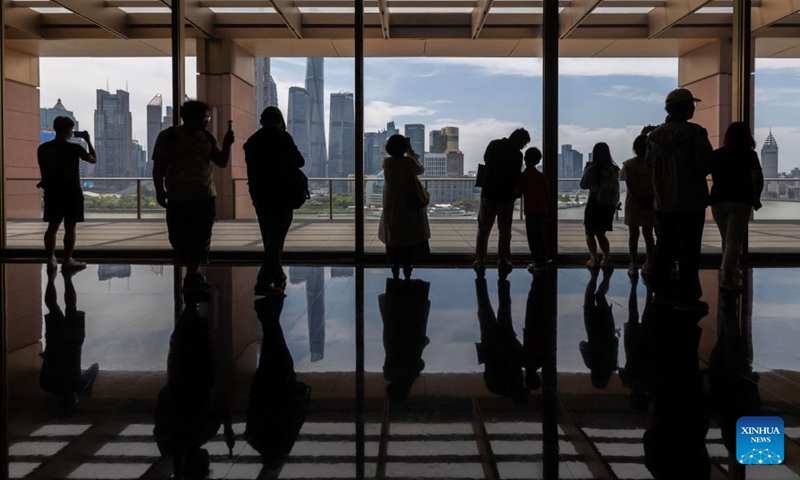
<point>112,374</point>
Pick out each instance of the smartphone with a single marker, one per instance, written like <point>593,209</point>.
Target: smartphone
<point>230,125</point>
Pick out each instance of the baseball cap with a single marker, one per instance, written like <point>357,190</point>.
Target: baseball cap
<point>680,95</point>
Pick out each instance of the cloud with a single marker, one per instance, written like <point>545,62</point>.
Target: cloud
<point>635,94</point>
<point>778,64</point>
<point>377,113</point>
<point>532,67</point>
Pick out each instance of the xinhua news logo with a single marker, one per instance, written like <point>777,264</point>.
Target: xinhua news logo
<point>759,440</point>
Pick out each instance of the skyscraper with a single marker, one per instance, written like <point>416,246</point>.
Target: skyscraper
<point>139,159</point>
<point>373,152</point>
<point>154,127</point>
<point>416,132</point>
<point>342,155</point>
<point>113,133</point>
<point>455,163</point>
<point>570,165</point>
<point>315,86</point>
<point>298,122</point>
<point>266,90</point>
<point>167,122</point>
<point>769,157</point>
<point>444,140</point>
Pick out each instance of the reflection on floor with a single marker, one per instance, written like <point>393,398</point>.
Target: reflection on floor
<point>568,374</point>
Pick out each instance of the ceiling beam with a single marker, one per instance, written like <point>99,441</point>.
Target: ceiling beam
<point>660,19</point>
<point>111,19</point>
<point>383,10</point>
<point>23,20</point>
<point>572,16</point>
<point>198,16</point>
<point>773,11</point>
<point>479,14</point>
<point>290,14</point>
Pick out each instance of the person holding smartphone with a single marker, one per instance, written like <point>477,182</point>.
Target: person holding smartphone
<point>63,198</point>
<point>183,157</point>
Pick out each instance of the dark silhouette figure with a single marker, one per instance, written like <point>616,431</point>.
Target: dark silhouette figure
<point>601,351</point>
<point>59,161</point>
<point>314,278</point>
<point>404,310</point>
<point>191,409</point>
<point>65,331</point>
<point>533,188</point>
<point>536,336</point>
<point>278,401</point>
<point>601,178</point>
<point>640,214</point>
<point>735,193</point>
<point>503,166</point>
<point>636,373</point>
<point>680,157</point>
<point>734,384</point>
<point>184,181</point>
<point>271,156</point>
<point>499,350</point>
<point>403,227</point>
<point>675,438</point>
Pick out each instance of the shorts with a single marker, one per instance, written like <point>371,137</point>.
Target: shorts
<point>60,206</point>
<point>189,224</point>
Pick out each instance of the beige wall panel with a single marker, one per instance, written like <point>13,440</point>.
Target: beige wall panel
<point>21,67</point>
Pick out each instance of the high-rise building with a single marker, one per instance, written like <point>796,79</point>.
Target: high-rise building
<point>167,122</point>
<point>298,122</point>
<point>113,133</point>
<point>373,152</point>
<point>570,165</point>
<point>435,165</point>
<point>139,159</point>
<point>315,86</point>
<point>444,140</point>
<point>455,164</point>
<point>342,153</point>
<point>438,143</point>
<point>154,127</point>
<point>416,133</point>
<point>769,157</point>
<point>266,90</point>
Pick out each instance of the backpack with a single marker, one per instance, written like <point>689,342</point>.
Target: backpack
<point>607,192</point>
<point>297,191</point>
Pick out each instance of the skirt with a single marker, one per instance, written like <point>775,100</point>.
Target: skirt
<point>598,217</point>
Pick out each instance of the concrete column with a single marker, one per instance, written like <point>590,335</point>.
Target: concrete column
<point>226,81</point>
<point>21,115</point>
<point>707,72</point>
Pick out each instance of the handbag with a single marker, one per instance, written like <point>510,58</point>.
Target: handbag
<point>418,196</point>
<point>480,175</point>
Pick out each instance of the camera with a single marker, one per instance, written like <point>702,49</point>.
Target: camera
<point>80,133</point>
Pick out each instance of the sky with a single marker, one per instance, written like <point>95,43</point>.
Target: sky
<point>606,100</point>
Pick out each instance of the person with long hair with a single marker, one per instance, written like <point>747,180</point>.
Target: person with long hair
<point>403,226</point>
<point>639,210</point>
<point>601,178</point>
<point>736,191</point>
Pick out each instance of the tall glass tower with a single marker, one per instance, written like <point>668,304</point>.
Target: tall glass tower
<point>318,151</point>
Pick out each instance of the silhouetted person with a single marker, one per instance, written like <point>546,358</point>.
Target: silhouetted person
<point>600,351</point>
<point>314,278</point>
<point>64,333</point>
<point>533,188</point>
<point>184,181</point>
<point>734,385</point>
<point>278,402</point>
<point>736,191</point>
<point>680,156</point>
<point>499,349</point>
<point>503,159</point>
<point>403,227</point>
<point>404,310</point>
<point>636,373</point>
<point>59,161</point>
<point>601,178</point>
<point>640,214</point>
<point>535,335</point>
<point>675,438</point>
<point>271,155</point>
<point>190,409</point>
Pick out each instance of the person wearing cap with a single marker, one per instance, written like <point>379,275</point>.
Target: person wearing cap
<point>680,157</point>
